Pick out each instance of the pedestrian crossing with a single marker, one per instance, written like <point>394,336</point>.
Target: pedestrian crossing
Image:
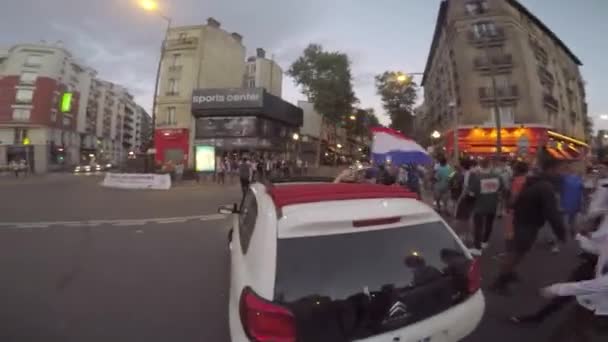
<point>112,223</point>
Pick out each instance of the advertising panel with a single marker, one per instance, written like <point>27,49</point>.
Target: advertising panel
<point>205,158</point>
<point>229,126</point>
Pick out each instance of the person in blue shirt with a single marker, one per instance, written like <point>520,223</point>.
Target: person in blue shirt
<point>571,197</point>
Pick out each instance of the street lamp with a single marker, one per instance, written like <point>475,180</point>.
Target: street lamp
<point>352,117</point>
<point>152,6</point>
<point>402,78</point>
<point>149,5</point>
<point>339,146</point>
<point>435,135</point>
<point>296,136</point>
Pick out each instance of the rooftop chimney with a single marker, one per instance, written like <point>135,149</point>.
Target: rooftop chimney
<point>237,37</point>
<point>213,23</point>
<point>260,53</point>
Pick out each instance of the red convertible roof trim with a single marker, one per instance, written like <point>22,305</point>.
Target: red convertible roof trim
<point>312,193</point>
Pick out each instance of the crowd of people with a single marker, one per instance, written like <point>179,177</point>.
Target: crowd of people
<point>530,198</point>
<point>547,197</point>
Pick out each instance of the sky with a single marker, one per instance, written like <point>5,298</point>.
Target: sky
<point>122,42</point>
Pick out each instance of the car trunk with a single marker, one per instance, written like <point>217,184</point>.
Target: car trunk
<point>351,286</point>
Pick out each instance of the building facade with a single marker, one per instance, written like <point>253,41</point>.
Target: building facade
<point>495,55</point>
<point>237,121</point>
<point>42,88</point>
<point>261,72</point>
<point>55,112</point>
<point>194,57</point>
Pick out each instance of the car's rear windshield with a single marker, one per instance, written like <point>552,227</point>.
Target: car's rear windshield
<point>346,285</point>
<point>341,265</point>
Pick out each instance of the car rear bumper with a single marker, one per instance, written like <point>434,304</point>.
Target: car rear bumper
<point>451,325</point>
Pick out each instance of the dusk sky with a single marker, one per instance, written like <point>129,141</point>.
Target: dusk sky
<point>122,41</point>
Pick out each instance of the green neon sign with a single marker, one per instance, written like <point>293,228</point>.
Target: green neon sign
<point>66,102</point>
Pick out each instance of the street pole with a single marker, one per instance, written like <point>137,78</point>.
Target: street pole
<point>494,99</point>
<point>456,149</point>
<point>160,61</point>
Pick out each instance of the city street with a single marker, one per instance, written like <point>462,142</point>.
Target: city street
<point>83,263</point>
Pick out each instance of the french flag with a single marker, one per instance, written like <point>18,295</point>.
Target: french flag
<point>390,146</point>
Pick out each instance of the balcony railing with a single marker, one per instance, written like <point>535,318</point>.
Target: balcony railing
<point>540,53</point>
<point>172,93</point>
<point>27,82</point>
<point>175,68</point>
<point>551,102</point>
<point>165,123</point>
<point>499,63</point>
<point>502,93</point>
<point>545,76</point>
<point>488,38</point>
<point>181,43</point>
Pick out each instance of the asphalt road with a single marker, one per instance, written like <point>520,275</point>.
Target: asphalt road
<point>82,263</point>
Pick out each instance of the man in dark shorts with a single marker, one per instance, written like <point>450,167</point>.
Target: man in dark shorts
<point>536,204</point>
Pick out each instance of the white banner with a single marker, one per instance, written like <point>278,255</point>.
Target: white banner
<point>137,181</point>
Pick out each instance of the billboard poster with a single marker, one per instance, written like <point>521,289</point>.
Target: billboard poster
<point>205,158</point>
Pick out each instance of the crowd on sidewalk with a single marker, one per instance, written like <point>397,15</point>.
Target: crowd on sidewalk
<point>547,197</point>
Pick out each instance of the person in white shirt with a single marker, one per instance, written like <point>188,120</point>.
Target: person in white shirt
<point>591,313</point>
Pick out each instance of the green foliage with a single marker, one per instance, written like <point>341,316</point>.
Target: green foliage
<point>398,94</point>
<point>326,80</point>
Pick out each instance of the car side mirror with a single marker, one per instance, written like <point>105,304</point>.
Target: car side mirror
<point>228,209</point>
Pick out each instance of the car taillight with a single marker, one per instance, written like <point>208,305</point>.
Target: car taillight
<point>264,321</point>
<point>474,276</point>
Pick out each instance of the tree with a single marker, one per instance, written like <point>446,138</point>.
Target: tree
<point>364,120</point>
<point>326,80</point>
<point>398,95</point>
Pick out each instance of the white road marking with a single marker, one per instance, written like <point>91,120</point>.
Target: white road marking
<point>115,223</point>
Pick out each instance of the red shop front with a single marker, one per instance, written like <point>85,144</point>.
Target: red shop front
<point>172,144</point>
<point>517,140</point>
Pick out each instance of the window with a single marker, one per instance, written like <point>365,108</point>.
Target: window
<point>173,86</point>
<point>251,83</point>
<point>28,77</point>
<point>21,136</point>
<point>182,35</point>
<point>175,59</point>
<point>33,60</point>
<point>67,121</point>
<point>247,218</point>
<point>21,114</point>
<point>484,29</point>
<point>506,114</point>
<point>476,7</point>
<point>171,115</point>
<point>422,266</point>
<point>54,115</point>
<point>24,95</point>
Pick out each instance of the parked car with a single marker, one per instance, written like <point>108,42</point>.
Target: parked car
<point>347,262</point>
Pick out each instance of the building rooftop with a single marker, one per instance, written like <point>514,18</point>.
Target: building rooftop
<point>441,21</point>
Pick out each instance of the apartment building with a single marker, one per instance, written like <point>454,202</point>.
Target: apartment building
<point>261,72</point>
<point>194,57</point>
<point>55,112</point>
<point>489,55</point>
<point>41,92</point>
